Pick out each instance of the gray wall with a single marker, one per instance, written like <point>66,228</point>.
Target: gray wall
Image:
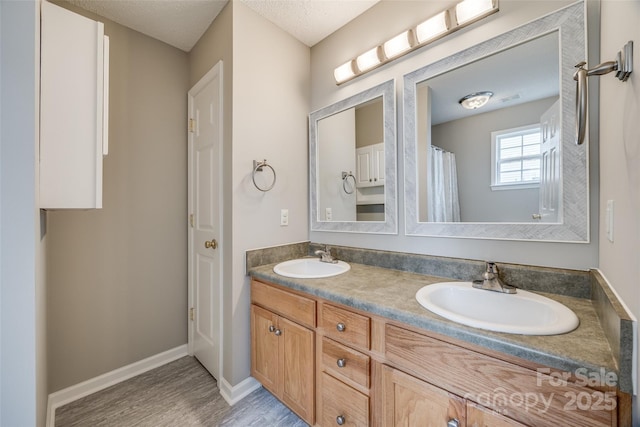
<point>117,277</point>
<point>369,124</point>
<point>383,21</point>
<point>270,108</point>
<point>22,289</point>
<point>620,160</point>
<point>266,101</point>
<point>470,140</point>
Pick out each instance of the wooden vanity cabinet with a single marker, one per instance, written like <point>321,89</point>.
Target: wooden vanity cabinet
<point>409,401</point>
<point>344,367</point>
<point>477,416</point>
<point>371,371</point>
<point>282,350</point>
<point>524,395</point>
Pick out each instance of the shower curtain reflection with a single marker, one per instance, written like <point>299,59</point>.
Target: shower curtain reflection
<point>442,187</point>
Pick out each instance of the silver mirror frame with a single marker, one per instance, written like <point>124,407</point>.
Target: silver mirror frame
<point>570,22</point>
<point>390,224</point>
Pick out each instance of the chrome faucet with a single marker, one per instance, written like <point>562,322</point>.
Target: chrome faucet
<point>491,282</point>
<point>325,255</point>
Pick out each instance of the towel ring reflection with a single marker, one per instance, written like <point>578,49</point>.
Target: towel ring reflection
<point>345,179</point>
<point>258,167</point>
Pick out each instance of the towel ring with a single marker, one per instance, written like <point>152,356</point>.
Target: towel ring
<point>345,178</point>
<point>258,167</point>
<point>623,66</point>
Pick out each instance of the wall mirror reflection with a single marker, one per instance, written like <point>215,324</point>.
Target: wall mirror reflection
<point>489,149</point>
<point>496,160</point>
<point>352,163</point>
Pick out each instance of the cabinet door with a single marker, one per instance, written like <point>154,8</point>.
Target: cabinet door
<point>478,416</point>
<point>411,402</point>
<point>364,173</point>
<point>297,357</point>
<point>378,163</point>
<point>264,348</point>
<point>72,117</point>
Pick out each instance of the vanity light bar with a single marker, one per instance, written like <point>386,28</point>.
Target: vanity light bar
<point>446,22</point>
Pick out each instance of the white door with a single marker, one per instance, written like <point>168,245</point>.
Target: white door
<point>550,190</point>
<point>205,178</point>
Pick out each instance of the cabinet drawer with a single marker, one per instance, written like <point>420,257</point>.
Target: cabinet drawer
<point>340,400</point>
<point>345,326</point>
<point>300,309</point>
<point>344,362</point>
<point>497,384</point>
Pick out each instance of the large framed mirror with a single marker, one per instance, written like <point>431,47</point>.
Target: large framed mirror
<point>352,163</point>
<point>505,166</point>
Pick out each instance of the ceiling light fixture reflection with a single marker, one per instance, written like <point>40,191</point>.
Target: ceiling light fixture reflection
<point>476,100</point>
<point>446,22</point>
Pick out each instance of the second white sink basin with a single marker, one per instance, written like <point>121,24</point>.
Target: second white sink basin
<point>521,313</point>
<point>310,268</point>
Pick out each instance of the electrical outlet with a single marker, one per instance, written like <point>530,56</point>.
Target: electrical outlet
<point>284,216</point>
<point>328,214</point>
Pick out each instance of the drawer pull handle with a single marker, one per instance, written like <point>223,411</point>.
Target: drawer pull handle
<point>278,332</point>
<point>341,363</point>
<point>453,423</point>
<point>341,327</point>
<point>272,328</point>
<point>340,420</point>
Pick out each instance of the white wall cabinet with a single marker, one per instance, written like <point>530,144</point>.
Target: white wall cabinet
<point>73,109</point>
<point>370,174</point>
<point>370,165</point>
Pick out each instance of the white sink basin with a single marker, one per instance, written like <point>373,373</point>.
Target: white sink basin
<point>310,268</point>
<point>521,313</point>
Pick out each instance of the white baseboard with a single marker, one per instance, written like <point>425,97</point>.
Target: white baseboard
<point>85,388</point>
<point>235,394</point>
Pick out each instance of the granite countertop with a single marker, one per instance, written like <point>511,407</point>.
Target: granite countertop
<point>391,294</point>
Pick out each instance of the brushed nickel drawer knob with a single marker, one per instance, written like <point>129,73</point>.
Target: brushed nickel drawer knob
<point>453,423</point>
<point>341,363</point>
<point>341,327</point>
<point>272,328</point>
<point>340,420</point>
<point>278,332</point>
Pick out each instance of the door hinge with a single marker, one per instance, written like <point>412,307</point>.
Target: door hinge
<point>192,125</point>
<point>192,314</point>
<point>192,220</point>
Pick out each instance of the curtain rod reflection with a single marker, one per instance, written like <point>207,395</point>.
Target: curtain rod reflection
<point>435,147</point>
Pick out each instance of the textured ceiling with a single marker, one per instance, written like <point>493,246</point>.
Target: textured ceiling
<point>310,21</point>
<point>181,23</point>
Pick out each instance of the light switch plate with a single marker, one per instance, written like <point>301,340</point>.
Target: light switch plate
<point>284,216</point>
<point>609,219</point>
<point>328,214</point>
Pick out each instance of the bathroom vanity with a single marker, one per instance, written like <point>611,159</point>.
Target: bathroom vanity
<point>357,349</point>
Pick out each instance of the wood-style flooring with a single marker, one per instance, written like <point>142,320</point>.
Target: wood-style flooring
<point>181,393</point>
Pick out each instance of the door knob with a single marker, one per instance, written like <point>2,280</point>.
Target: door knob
<point>212,244</point>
